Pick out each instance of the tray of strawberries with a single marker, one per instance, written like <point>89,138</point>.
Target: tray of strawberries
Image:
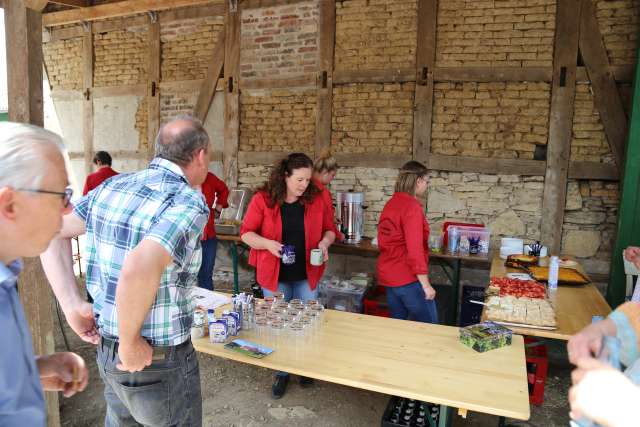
<point>504,286</point>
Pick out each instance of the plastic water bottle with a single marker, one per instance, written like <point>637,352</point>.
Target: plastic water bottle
<point>453,240</point>
<point>554,267</point>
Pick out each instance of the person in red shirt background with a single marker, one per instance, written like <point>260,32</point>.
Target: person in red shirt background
<point>288,210</point>
<point>102,160</point>
<point>403,236</point>
<point>324,170</point>
<point>215,193</point>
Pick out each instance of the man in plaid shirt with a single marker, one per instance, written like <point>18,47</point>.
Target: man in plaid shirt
<point>143,235</point>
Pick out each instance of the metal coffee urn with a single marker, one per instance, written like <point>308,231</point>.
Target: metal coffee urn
<point>350,215</point>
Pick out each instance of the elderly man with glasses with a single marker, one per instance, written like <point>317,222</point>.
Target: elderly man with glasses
<point>33,200</point>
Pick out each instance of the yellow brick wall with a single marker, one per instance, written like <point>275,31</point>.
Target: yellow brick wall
<point>503,120</point>
<point>588,140</point>
<point>63,60</point>
<point>278,120</point>
<point>121,57</point>
<point>375,34</point>
<point>618,21</point>
<point>187,46</point>
<point>373,118</point>
<point>514,33</point>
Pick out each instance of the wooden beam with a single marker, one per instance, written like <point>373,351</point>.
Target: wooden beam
<point>23,35</point>
<point>493,74</point>
<point>305,80</point>
<point>125,90</point>
<point>37,5</point>
<point>523,167</point>
<point>327,34</point>
<point>210,82</point>
<point>232,92</point>
<point>153,86</point>
<point>593,170</point>
<point>135,155</point>
<point>425,61</point>
<point>71,3</point>
<point>183,85</point>
<point>606,97</point>
<point>398,75</point>
<point>117,9</point>
<point>256,4</point>
<point>87,103</point>
<point>372,160</point>
<point>621,73</point>
<point>561,121</point>
<point>260,157</point>
<point>191,13</point>
<point>66,95</point>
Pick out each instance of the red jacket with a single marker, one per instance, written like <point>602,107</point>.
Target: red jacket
<point>97,178</point>
<point>267,222</point>
<point>403,238</point>
<point>325,194</point>
<point>211,187</point>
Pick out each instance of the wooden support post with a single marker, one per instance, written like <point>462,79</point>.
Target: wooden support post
<point>561,122</point>
<point>425,62</point>
<point>153,84</point>
<point>327,31</point>
<point>87,100</point>
<point>23,31</point>
<point>210,82</point>
<point>605,92</point>
<point>231,92</point>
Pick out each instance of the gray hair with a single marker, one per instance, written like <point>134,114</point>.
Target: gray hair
<point>22,160</point>
<point>180,147</point>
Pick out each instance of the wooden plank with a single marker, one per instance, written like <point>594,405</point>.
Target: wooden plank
<point>57,34</point>
<point>117,9</point>
<point>493,74</point>
<point>36,5</point>
<point>621,73</point>
<point>260,157</point>
<point>126,90</point>
<point>373,160</point>
<point>593,170</point>
<point>153,86</point>
<point>87,103</point>
<point>397,75</point>
<point>255,4</point>
<point>232,92</point>
<point>305,80</point>
<point>71,3</point>
<point>327,34</point>
<point>66,95</point>
<point>425,61</point>
<point>191,12</point>
<point>486,165</point>
<point>23,35</point>
<point>561,122</point>
<point>183,85</point>
<point>210,82</point>
<point>605,92</point>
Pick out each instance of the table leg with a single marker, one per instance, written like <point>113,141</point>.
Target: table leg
<point>234,262</point>
<point>455,294</point>
<point>445,416</point>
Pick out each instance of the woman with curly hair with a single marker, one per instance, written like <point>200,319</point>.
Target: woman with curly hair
<point>288,216</point>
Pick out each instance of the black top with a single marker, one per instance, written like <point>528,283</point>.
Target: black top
<point>293,234</point>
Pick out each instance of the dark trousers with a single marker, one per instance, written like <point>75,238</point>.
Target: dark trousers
<point>205,275</point>
<point>165,393</point>
<point>408,303</point>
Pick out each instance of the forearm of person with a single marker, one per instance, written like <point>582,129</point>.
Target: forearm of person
<point>424,279</point>
<point>255,241</point>
<point>328,237</point>
<point>57,262</point>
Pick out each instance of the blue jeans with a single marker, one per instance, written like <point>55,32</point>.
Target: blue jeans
<point>407,302</point>
<point>165,393</point>
<point>293,290</point>
<point>205,275</point>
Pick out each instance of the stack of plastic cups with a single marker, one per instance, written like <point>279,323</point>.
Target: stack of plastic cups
<point>261,329</point>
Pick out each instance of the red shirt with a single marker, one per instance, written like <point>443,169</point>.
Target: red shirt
<point>211,187</point>
<point>325,194</point>
<point>403,238</point>
<point>97,178</point>
<point>267,222</point>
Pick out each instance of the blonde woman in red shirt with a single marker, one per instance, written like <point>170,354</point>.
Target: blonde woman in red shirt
<point>403,236</point>
<point>324,170</point>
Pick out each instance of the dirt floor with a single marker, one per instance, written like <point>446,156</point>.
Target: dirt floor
<point>238,395</point>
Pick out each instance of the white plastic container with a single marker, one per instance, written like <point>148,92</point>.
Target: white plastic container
<point>554,267</point>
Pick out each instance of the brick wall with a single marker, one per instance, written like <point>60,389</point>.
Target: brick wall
<point>187,46</point>
<point>142,124</point>
<point>618,21</point>
<point>373,118</point>
<point>504,120</point>
<point>121,57</point>
<point>517,33</point>
<point>588,140</point>
<point>176,103</point>
<point>63,60</point>
<point>278,120</point>
<point>279,41</point>
<point>375,34</point>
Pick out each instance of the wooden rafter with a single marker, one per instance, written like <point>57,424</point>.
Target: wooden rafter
<point>231,92</point>
<point>72,3</point>
<point>210,82</point>
<point>87,102</point>
<point>153,84</point>
<point>327,31</point>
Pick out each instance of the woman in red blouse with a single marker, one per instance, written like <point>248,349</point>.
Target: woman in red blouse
<point>324,170</point>
<point>403,236</point>
<point>287,212</point>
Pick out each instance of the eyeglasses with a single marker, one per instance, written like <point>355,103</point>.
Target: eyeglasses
<point>66,195</point>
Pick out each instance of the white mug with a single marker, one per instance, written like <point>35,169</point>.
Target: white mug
<point>316,257</point>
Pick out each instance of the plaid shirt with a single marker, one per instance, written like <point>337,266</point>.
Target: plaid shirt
<point>157,204</point>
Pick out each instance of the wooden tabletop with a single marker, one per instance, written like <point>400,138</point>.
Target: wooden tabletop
<point>402,358</point>
<point>574,306</point>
